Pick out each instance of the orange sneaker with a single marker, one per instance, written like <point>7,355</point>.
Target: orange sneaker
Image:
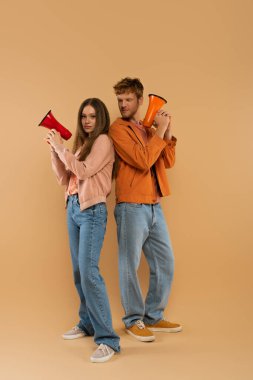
<point>165,326</point>
<point>140,332</point>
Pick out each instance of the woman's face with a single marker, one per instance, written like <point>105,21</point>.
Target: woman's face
<point>88,119</point>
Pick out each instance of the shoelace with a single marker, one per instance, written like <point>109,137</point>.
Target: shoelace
<point>75,328</point>
<point>140,324</point>
<point>104,348</point>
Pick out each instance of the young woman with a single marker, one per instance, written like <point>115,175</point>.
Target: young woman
<point>86,173</point>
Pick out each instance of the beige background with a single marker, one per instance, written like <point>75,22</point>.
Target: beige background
<point>197,54</point>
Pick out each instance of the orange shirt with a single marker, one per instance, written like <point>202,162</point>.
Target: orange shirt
<point>134,180</point>
<point>143,132</point>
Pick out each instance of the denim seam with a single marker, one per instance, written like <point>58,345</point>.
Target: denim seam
<point>121,225</point>
<point>94,282</point>
<point>127,258</point>
<point>72,216</point>
<point>107,322</point>
<point>92,270</point>
<point>149,243</point>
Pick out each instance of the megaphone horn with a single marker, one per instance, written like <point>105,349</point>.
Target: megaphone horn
<point>155,103</point>
<point>50,122</point>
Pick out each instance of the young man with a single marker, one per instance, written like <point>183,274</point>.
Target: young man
<point>143,155</point>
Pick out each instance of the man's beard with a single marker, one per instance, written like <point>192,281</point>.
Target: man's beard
<point>128,115</point>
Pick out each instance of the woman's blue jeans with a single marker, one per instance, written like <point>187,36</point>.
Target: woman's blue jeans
<point>143,227</point>
<point>86,235</point>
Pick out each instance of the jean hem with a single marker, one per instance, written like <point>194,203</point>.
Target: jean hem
<point>152,322</point>
<point>108,343</point>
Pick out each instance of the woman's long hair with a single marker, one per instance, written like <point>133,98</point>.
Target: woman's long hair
<point>84,140</point>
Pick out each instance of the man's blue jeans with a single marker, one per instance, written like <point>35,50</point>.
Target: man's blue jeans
<point>86,234</point>
<point>143,227</point>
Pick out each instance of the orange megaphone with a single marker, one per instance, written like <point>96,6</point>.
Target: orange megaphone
<point>155,103</point>
<point>50,122</point>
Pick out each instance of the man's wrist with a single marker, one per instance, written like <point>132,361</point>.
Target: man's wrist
<point>168,135</point>
<point>160,131</point>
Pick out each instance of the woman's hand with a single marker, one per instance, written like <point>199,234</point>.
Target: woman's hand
<point>53,138</point>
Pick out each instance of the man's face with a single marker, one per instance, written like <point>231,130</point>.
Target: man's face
<point>128,104</point>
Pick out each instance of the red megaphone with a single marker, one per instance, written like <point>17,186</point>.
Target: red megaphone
<point>155,103</point>
<point>50,122</point>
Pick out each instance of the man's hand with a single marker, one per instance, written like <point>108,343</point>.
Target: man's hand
<point>163,122</point>
<point>168,133</point>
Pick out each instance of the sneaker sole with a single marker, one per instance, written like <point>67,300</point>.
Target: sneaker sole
<point>70,337</point>
<point>141,338</point>
<point>101,360</point>
<point>169,330</point>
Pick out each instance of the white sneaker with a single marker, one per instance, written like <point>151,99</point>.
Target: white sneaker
<point>102,354</point>
<point>74,333</point>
